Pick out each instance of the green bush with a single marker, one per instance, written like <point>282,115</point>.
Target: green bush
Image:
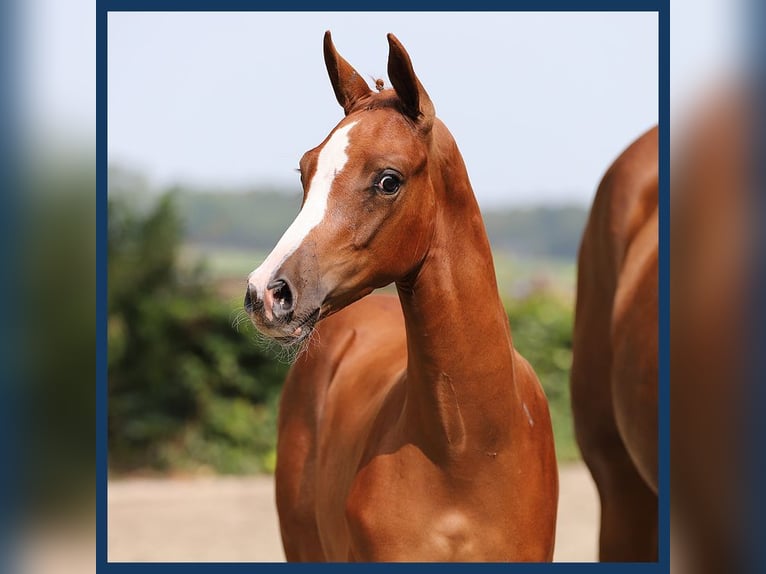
<point>541,326</point>
<point>187,391</point>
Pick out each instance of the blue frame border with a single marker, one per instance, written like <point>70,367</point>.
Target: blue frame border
<point>664,290</point>
<point>103,7</point>
<point>390,6</point>
<point>102,162</point>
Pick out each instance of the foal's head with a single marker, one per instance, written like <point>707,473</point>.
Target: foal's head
<point>368,204</point>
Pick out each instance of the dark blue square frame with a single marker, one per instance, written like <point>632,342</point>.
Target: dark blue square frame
<point>103,7</point>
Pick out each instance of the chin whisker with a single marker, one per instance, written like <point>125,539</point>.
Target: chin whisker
<point>286,349</point>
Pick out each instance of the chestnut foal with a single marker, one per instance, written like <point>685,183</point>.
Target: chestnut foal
<point>409,429</point>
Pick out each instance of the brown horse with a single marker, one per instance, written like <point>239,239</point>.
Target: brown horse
<point>409,430</point>
<point>614,366</point>
<point>713,232</point>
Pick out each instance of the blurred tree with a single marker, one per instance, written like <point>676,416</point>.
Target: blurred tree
<point>186,390</point>
<point>541,325</point>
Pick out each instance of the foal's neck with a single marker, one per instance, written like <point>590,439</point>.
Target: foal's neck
<point>460,373</point>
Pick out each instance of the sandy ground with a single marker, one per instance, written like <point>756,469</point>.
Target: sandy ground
<point>228,519</point>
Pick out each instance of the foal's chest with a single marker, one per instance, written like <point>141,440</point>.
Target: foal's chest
<point>401,508</point>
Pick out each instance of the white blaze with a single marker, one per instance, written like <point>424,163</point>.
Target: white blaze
<point>331,161</point>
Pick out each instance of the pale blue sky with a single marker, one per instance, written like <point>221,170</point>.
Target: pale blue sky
<point>545,146</point>
<point>539,103</point>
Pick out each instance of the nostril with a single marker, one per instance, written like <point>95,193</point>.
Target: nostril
<point>249,300</point>
<point>252,303</point>
<point>282,296</point>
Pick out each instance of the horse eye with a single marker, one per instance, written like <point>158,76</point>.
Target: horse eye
<point>389,184</point>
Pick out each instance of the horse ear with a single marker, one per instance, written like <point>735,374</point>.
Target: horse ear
<point>415,101</point>
<point>348,85</point>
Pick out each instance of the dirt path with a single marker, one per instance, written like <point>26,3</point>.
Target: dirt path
<point>227,519</point>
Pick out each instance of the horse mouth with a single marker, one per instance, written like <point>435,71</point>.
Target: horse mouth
<point>302,330</point>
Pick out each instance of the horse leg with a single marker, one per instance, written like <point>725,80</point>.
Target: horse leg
<point>295,472</point>
<point>628,505</point>
<point>628,509</point>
